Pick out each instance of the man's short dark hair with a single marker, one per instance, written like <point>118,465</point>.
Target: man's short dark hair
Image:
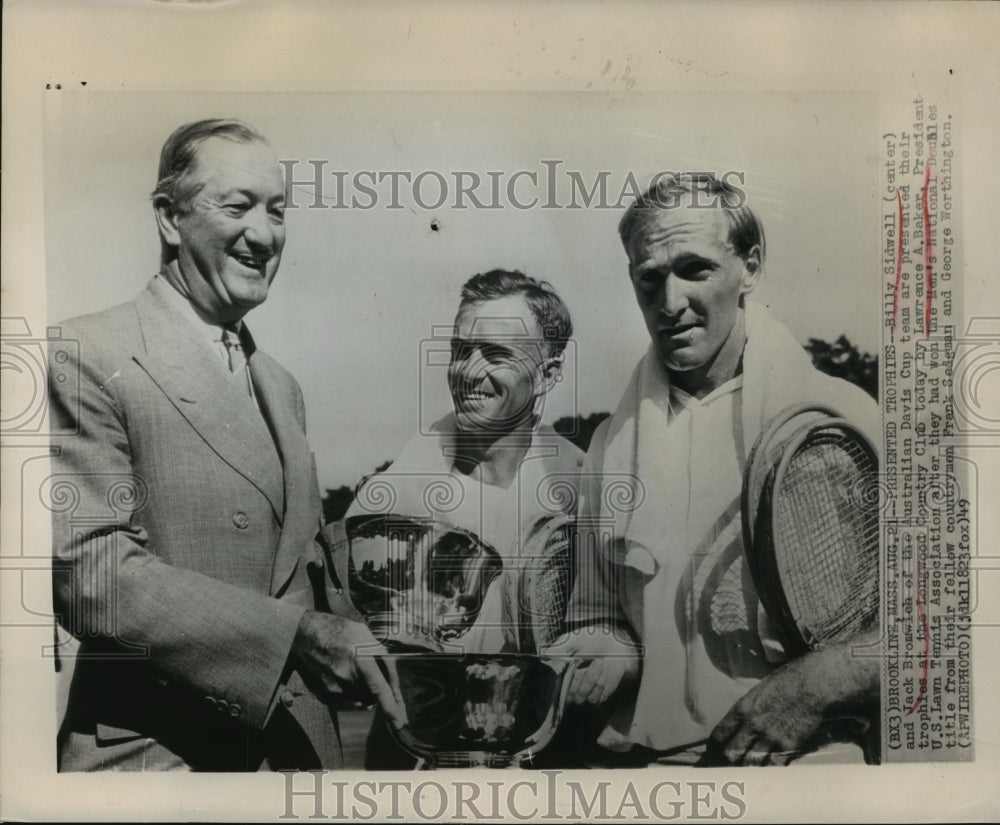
<point>180,153</point>
<point>548,308</point>
<point>667,191</point>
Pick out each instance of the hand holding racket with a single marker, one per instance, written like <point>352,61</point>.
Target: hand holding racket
<point>607,659</point>
<point>813,701</point>
<point>536,591</point>
<point>811,537</point>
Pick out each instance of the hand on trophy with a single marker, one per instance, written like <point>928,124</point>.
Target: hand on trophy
<point>607,657</point>
<point>335,655</point>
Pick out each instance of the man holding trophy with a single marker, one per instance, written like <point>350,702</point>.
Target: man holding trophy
<point>488,468</point>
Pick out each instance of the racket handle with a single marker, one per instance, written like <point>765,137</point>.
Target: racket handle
<point>510,615</point>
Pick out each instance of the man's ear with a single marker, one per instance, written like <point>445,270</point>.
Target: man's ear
<point>166,220</point>
<point>550,371</point>
<point>752,270</point>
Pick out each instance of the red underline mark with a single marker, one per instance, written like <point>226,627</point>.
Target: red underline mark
<point>899,262</point>
<point>928,252</point>
<point>925,662</point>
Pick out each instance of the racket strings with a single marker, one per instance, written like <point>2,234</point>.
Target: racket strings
<point>769,449</point>
<point>728,609</point>
<point>827,538</point>
<point>546,582</point>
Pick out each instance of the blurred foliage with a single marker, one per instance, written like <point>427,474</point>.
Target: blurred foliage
<point>336,502</point>
<point>578,428</point>
<point>840,359</point>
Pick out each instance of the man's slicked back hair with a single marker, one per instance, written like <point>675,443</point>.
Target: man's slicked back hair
<point>548,308</point>
<point>668,191</point>
<point>180,155</point>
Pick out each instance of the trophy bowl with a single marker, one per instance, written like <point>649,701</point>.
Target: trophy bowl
<point>477,710</point>
<point>419,583</point>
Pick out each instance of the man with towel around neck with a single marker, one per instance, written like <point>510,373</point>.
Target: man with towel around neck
<point>489,465</point>
<point>674,576</point>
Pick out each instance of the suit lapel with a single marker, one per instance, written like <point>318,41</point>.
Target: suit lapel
<point>195,382</point>
<point>279,401</point>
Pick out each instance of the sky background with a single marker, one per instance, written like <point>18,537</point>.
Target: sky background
<point>359,292</point>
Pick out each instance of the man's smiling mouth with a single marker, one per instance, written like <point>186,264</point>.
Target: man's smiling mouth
<point>475,396</point>
<point>251,261</point>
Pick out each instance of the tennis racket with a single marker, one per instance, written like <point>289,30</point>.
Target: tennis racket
<point>538,585</point>
<point>810,527</point>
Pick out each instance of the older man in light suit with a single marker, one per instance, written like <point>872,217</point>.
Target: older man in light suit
<point>183,565</point>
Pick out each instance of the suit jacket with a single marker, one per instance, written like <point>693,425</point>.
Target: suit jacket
<point>183,524</point>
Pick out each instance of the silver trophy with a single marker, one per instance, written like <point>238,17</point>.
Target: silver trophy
<point>477,710</point>
<point>420,584</point>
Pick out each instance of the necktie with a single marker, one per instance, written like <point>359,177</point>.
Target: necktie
<point>237,359</point>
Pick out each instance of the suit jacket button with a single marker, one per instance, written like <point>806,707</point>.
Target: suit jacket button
<point>235,710</point>
<point>222,705</point>
<point>287,698</point>
<point>240,520</point>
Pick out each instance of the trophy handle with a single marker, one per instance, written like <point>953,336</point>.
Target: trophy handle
<point>332,583</point>
<point>551,723</point>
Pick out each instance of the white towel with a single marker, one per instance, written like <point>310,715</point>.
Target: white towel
<point>629,460</point>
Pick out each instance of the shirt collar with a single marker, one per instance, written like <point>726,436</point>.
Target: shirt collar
<point>680,399</point>
<point>210,330</point>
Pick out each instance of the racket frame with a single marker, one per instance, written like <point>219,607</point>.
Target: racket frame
<point>757,466</point>
<point>519,615</point>
<point>761,552</point>
<point>528,613</point>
